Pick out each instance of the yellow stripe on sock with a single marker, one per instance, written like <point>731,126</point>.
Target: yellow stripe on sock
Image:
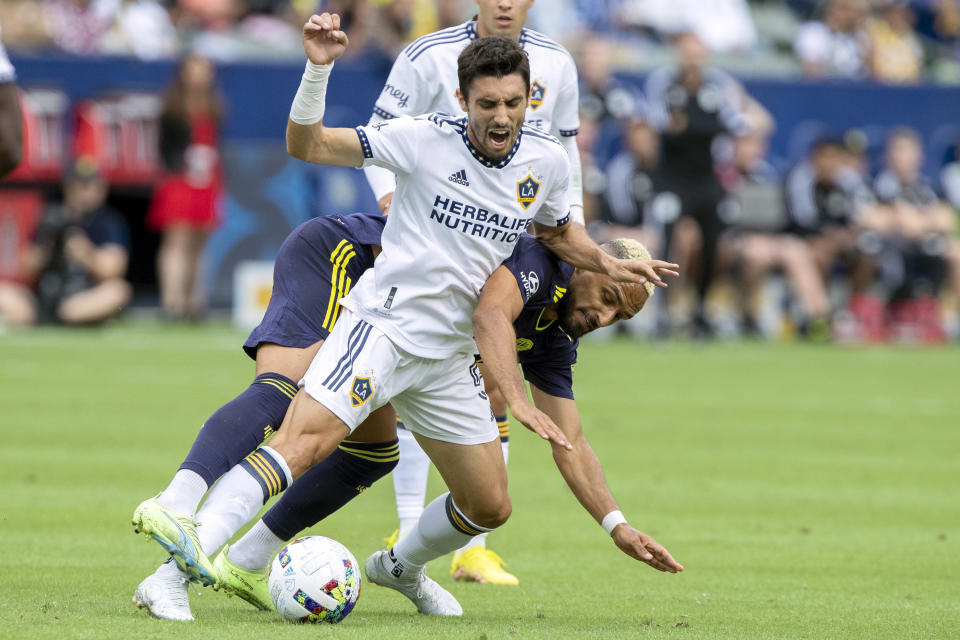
<point>461,524</point>
<point>272,471</point>
<point>384,454</point>
<point>372,459</point>
<point>258,464</point>
<point>282,388</point>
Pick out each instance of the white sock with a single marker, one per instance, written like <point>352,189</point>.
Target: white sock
<point>505,447</point>
<point>255,550</point>
<point>410,481</point>
<point>476,541</point>
<point>232,503</point>
<point>169,569</point>
<point>184,492</point>
<point>435,534</point>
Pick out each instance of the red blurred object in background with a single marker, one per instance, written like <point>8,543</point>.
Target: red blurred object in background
<point>43,115</point>
<point>120,134</point>
<point>20,211</point>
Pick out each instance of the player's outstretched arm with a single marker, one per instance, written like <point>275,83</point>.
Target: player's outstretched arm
<point>581,469</point>
<point>572,245</point>
<point>500,304</point>
<point>307,138</point>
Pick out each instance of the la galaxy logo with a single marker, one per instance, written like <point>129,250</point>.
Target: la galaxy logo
<point>537,91</point>
<point>361,391</point>
<point>527,190</point>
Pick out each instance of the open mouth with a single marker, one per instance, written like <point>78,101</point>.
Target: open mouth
<point>499,138</point>
<point>504,21</point>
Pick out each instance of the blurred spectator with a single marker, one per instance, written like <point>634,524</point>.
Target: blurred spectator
<point>603,98</point>
<point>11,122</point>
<point>722,25</point>
<point>79,26</point>
<point>78,259</point>
<point>594,177</point>
<point>950,186</point>
<point>838,45</point>
<point>24,24</point>
<point>186,202</point>
<point>919,227</point>
<point>833,211</point>
<point>631,187</point>
<point>897,55</point>
<point>693,106</point>
<point>143,28</point>
<point>761,245</point>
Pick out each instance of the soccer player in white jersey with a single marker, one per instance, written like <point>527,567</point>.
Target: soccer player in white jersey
<point>11,123</point>
<point>424,80</point>
<point>405,333</point>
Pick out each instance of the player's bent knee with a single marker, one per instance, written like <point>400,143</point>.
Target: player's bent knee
<point>489,514</point>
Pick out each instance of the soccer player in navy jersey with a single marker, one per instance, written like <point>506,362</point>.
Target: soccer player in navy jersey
<point>548,305</point>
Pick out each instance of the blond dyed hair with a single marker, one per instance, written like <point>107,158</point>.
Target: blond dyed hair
<point>629,249</point>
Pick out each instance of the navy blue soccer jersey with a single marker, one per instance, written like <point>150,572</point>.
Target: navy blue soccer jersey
<point>545,352</point>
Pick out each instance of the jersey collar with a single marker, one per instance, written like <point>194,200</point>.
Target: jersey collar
<point>490,163</point>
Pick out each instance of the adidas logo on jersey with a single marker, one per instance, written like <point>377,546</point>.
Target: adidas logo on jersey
<point>460,177</point>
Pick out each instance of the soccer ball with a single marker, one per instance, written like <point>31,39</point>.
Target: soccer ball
<point>314,579</point>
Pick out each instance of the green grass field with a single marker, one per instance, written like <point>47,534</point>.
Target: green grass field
<point>811,492</point>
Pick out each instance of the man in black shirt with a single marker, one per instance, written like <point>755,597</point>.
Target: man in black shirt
<point>693,105</point>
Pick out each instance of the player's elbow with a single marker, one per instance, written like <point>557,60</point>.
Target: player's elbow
<point>295,145</point>
<point>483,319</point>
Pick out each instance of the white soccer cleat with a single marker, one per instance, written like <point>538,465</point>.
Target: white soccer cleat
<point>164,597</point>
<point>430,597</point>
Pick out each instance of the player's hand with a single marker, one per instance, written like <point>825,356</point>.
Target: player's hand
<point>640,271</point>
<point>385,202</point>
<point>540,423</point>
<point>77,246</point>
<point>642,547</point>
<point>323,41</point>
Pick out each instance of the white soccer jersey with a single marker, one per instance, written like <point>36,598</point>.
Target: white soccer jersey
<point>456,216</point>
<point>7,73</point>
<point>424,80</point>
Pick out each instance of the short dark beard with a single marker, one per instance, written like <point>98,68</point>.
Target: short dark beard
<point>565,311</point>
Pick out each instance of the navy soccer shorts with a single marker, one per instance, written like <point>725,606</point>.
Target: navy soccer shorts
<point>317,264</point>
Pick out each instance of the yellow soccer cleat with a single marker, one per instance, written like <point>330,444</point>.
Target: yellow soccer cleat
<point>177,534</point>
<point>479,564</point>
<point>392,540</point>
<point>243,583</point>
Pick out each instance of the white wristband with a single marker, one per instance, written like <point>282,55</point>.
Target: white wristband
<point>611,520</point>
<point>310,102</point>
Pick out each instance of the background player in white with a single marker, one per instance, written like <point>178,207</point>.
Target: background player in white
<point>424,80</point>
<point>11,122</point>
<point>405,333</point>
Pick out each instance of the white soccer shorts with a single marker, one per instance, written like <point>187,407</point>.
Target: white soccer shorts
<point>359,369</point>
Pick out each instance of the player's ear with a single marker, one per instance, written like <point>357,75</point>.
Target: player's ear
<point>462,100</point>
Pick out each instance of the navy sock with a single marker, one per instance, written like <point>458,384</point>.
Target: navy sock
<point>238,427</point>
<point>341,477</point>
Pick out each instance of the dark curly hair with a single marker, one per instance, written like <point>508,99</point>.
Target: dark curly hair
<point>492,56</point>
